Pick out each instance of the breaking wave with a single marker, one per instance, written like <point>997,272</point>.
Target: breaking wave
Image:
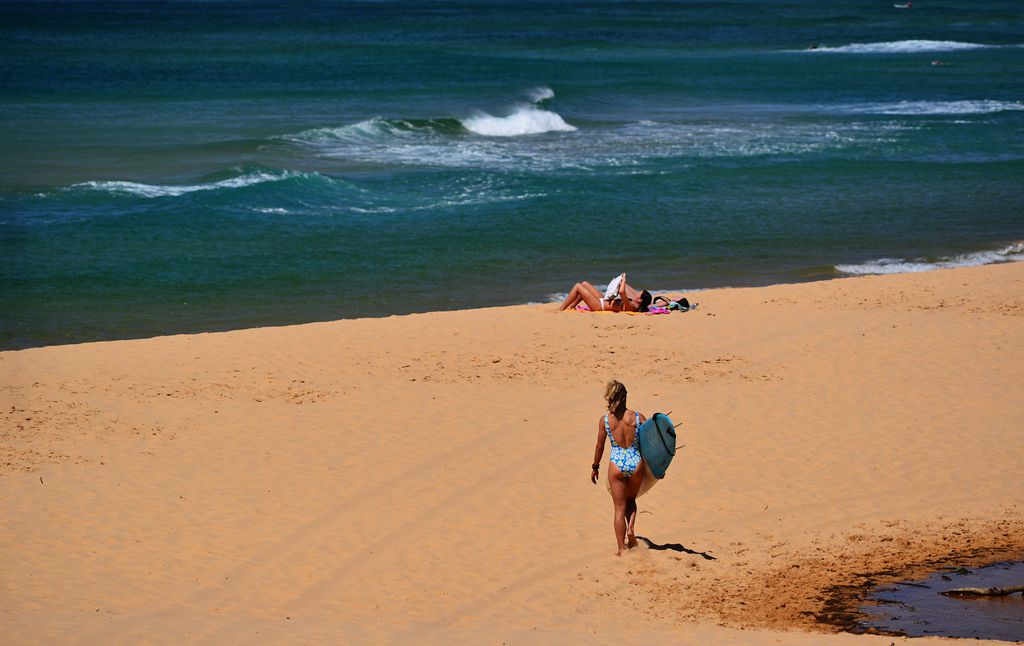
<point>524,119</point>
<point>528,120</point>
<point>375,130</point>
<point>900,47</point>
<point>540,94</point>
<point>164,190</point>
<point>1012,253</point>
<point>936,107</point>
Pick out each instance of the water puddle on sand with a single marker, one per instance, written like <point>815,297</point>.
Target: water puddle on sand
<point>916,608</point>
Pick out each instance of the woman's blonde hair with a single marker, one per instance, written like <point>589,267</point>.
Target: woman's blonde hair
<point>615,394</point>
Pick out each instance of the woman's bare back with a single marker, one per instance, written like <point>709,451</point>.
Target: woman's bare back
<point>624,429</point>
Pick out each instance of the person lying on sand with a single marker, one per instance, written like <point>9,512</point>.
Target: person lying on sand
<point>626,468</point>
<point>628,300</point>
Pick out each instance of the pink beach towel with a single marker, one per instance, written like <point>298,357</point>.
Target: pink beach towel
<point>582,307</point>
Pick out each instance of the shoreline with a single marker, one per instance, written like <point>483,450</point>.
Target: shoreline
<point>424,476</point>
<point>555,296</point>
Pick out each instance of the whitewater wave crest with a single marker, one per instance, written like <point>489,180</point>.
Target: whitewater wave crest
<point>481,139</point>
<point>540,94</point>
<point>174,190</point>
<point>936,107</point>
<point>900,47</point>
<point>527,120</point>
<point>1011,253</point>
<point>524,120</point>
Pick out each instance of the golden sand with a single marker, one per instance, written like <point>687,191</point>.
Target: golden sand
<point>425,478</point>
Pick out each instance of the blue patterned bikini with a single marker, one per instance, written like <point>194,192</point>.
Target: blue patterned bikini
<point>626,458</point>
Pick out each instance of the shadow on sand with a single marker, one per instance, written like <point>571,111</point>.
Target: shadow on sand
<point>675,547</point>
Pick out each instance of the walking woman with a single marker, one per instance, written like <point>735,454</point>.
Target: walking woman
<point>626,469</point>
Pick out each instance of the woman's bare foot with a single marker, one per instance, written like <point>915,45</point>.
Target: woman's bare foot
<point>630,540</point>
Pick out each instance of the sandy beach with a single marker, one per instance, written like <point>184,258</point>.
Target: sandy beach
<point>425,478</point>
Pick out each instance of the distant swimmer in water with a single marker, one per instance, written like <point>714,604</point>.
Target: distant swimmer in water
<point>620,297</point>
<point>937,63</point>
<point>626,469</point>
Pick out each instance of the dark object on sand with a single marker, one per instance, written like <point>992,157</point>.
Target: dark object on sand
<point>682,304</point>
<point>983,592</point>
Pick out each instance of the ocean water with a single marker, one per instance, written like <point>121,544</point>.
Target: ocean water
<point>172,167</point>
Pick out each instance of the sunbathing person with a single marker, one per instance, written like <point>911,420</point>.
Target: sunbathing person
<point>626,298</point>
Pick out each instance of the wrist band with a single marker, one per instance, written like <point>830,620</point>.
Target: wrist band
<point>597,467</point>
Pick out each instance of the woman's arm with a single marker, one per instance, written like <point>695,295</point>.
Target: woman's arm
<point>627,305</point>
<point>598,451</point>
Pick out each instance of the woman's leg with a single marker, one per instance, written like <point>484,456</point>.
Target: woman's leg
<point>590,291</point>
<point>618,486</point>
<point>631,523</point>
<point>571,299</point>
<point>583,292</point>
<point>590,296</point>
<point>632,490</point>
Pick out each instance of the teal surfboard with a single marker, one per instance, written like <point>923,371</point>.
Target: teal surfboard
<point>658,443</point>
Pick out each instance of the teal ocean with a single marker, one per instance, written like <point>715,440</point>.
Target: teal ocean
<point>171,167</point>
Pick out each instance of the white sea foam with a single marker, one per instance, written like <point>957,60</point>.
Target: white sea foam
<point>422,146</point>
<point>490,142</point>
<point>164,190</point>
<point>1012,253</point>
<point>935,107</point>
<point>505,142</point>
<point>899,47</point>
<point>538,94</point>
<point>459,192</point>
<point>646,139</point>
<point>527,120</point>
